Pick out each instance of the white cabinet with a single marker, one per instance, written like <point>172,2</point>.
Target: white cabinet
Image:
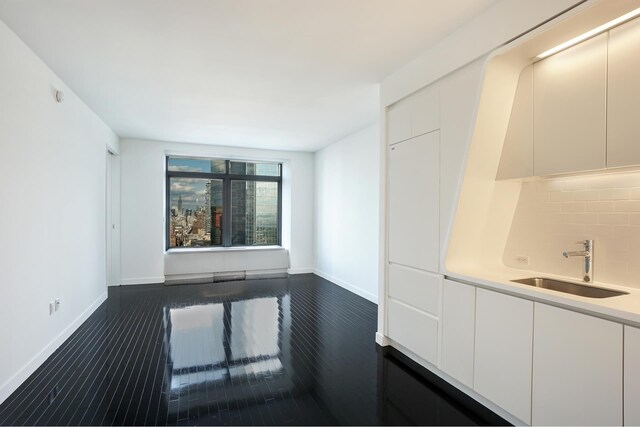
<point>623,96</point>
<point>399,121</point>
<point>569,118</point>
<point>503,349</point>
<point>417,288</point>
<point>517,152</point>
<point>413,197</point>
<point>426,111</point>
<point>458,326</point>
<point>414,298</point>
<point>631,376</point>
<point>577,369</point>
<point>413,116</point>
<point>413,329</point>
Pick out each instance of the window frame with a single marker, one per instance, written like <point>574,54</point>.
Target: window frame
<point>226,178</point>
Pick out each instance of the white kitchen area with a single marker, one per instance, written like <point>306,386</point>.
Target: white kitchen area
<point>510,222</point>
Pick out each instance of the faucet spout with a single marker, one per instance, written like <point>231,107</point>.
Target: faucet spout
<point>568,254</point>
<point>587,253</point>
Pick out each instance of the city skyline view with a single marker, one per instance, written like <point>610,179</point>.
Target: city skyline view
<point>196,204</point>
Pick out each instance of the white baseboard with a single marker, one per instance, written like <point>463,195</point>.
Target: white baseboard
<point>30,367</point>
<point>143,281</point>
<point>348,286</point>
<point>300,270</point>
<point>381,340</point>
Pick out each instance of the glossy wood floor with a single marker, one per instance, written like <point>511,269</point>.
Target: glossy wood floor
<point>294,351</point>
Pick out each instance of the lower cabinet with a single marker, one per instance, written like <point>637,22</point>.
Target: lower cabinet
<point>414,329</point>
<point>631,376</point>
<point>503,349</point>
<point>414,287</point>
<point>458,329</point>
<point>544,365</point>
<point>577,369</point>
<point>413,316</point>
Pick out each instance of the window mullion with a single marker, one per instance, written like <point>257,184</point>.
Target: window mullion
<point>226,217</point>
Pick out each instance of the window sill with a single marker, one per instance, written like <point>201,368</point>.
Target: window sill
<point>174,251</point>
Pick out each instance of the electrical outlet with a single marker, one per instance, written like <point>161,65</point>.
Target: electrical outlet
<point>52,307</point>
<point>57,304</point>
<point>521,259</point>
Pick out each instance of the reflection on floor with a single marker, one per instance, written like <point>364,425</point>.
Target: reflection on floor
<point>294,351</point>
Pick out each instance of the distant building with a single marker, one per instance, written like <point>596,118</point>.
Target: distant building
<point>207,208</point>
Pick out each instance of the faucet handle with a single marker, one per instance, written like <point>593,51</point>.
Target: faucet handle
<point>565,254</point>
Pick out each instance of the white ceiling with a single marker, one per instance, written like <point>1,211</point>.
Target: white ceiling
<point>278,74</point>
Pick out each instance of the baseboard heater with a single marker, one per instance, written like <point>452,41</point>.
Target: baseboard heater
<point>225,276</point>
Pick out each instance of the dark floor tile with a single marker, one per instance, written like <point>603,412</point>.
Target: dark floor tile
<point>295,351</point>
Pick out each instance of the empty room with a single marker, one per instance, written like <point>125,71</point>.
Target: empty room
<point>320,212</point>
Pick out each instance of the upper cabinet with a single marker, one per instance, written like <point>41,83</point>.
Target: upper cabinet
<point>569,117</point>
<point>623,102</point>
<point>577,110</point>
<point>413,116</point>
<point>425,115</point>
<point>399,121</point>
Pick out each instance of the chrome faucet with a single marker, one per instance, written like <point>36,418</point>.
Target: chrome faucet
<point>587,253</point>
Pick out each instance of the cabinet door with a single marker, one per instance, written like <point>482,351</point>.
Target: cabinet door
<point>631,376</point>
<point>458,326</point>
<point>399,121</point>
<point>414,329</point>
<point>517,152</point>
<point>569,118</point>
<point>425,115</point>
<point>414,171</point>
<point>577,369</point>
<point>623,98</point>
<point>416,288</point>
<point>503,350</point>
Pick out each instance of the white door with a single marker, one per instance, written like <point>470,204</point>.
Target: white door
<point>109,219</point>
<point>112,223</point>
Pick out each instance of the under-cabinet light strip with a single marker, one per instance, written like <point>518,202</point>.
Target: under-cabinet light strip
<point>590,33</point>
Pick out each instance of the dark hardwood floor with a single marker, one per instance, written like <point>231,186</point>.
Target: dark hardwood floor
<point>294,351</point>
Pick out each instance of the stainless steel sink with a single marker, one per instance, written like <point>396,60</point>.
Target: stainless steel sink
<point>570,288</point>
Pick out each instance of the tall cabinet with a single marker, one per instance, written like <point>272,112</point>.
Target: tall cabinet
<point>426,145</point>
<point>413,175</point>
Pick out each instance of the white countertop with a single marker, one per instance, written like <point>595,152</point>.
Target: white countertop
<point>623,308</point>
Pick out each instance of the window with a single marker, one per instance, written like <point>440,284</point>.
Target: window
<point>221,203</point>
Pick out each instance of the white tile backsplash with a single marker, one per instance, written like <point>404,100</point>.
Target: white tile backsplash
<point>556,214</point>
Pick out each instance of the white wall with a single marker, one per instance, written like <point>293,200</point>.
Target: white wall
<point>142,216</point>
<point>53,211</point>
<point>347,195</point>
